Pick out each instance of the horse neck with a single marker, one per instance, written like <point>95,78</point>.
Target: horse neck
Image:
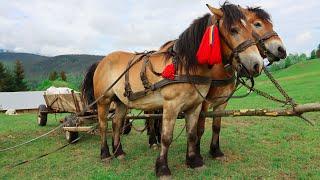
<point>218,71</point>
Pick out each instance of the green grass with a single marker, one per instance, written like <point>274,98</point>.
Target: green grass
<point>255,147</point>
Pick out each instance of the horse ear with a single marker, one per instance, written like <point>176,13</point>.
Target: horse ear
<point>215,11</point>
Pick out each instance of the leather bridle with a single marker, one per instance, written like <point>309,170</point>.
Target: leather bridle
<point>260,40</point>
<point>236,51</point>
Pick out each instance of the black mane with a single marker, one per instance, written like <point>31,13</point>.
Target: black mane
<point>189,41</point>
<point>261,13</point>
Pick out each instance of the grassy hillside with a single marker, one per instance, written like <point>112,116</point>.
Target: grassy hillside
<point>254,147</point>
<point>299,81</point>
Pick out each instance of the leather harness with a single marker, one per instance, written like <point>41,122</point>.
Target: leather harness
<point>264,51</point>
<point>187,78</point>
<point>164,82</point>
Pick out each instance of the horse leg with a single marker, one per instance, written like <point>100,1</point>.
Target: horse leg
<point>201,125</point>
<point>170,113</point>
<point>152,133</point>
<point>215,150</point>
<point>117,126</point>
<point>193,157</point>
<point>103,124</point>
<point>157,127</point>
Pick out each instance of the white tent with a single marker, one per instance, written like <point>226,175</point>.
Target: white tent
<point>21,100</point>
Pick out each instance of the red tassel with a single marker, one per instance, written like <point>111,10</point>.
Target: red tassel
<point>215,57</point>
<point>204,50</point>
<point>209,51</point>
<point>168,72</point>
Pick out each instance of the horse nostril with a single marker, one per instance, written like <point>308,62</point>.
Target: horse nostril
<point>282,52</point>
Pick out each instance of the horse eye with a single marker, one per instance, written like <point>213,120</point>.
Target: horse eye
<point>257,25</point>
<point>234,31</point>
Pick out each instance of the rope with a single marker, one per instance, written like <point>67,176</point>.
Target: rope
<point>176,138</point>
<point>43,155</point>
<point>288,100</point>
<point>46,154</point>
<point>31,140</point>
<point>136,129</point>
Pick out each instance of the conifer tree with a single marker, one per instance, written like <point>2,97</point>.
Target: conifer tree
<point>20,84</point>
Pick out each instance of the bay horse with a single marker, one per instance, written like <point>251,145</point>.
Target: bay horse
<point>270,46</point>
<point>236,43</point>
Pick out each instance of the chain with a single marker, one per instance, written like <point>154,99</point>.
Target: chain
<point>264,94</point>
<point>289,100</point>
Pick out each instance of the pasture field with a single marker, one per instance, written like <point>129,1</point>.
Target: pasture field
<point>255,147</point>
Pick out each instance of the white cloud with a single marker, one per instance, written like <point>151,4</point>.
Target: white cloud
<point>100,26</point>
<point>304,37</point>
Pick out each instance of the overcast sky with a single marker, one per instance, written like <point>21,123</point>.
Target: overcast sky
<point>54,27</point>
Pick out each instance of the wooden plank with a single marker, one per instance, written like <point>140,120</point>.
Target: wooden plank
<point>79,129</point>
<point>75,101</point>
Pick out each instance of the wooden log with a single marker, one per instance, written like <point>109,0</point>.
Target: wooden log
<point>79,129</point>
<point>300,109</point>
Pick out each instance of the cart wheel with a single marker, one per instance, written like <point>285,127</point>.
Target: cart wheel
<point>42,115</point>
<point>70,122</point>
<point>72,136</point>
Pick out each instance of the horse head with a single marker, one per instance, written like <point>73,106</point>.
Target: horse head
<point>268,41</point>
<point>238,46</point>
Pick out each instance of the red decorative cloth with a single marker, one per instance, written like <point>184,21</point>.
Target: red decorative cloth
<point>209,51</point>
<point>168,72</point>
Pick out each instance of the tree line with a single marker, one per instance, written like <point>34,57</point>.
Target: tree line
<point>294,59</point>
<point>14,80</point>
<point>11,81</point>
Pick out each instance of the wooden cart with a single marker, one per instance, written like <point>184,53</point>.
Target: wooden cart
<point>68,103</point>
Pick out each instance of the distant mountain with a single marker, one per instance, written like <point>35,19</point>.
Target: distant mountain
<point>3,50</point>
<point>38,66</point>
<point>71,64</point>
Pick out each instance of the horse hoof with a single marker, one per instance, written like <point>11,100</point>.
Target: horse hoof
<point>121,157</point>
<point>106,160</point>
<point>194,162</point>
<point>216,154</point>
<point>161,168</point>
<point>165,177</point>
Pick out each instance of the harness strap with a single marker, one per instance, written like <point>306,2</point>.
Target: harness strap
<point>128,89</point>
<point>181,79</point>
<point>223,82</point>
<point>127,86</point>
<point>143,77</point>
<point>164,82</point>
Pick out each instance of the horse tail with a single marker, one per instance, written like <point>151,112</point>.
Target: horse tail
<point>87,89</point>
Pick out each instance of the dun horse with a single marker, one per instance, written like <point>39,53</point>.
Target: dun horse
<point>270,46</point>
<point>237,44</point>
